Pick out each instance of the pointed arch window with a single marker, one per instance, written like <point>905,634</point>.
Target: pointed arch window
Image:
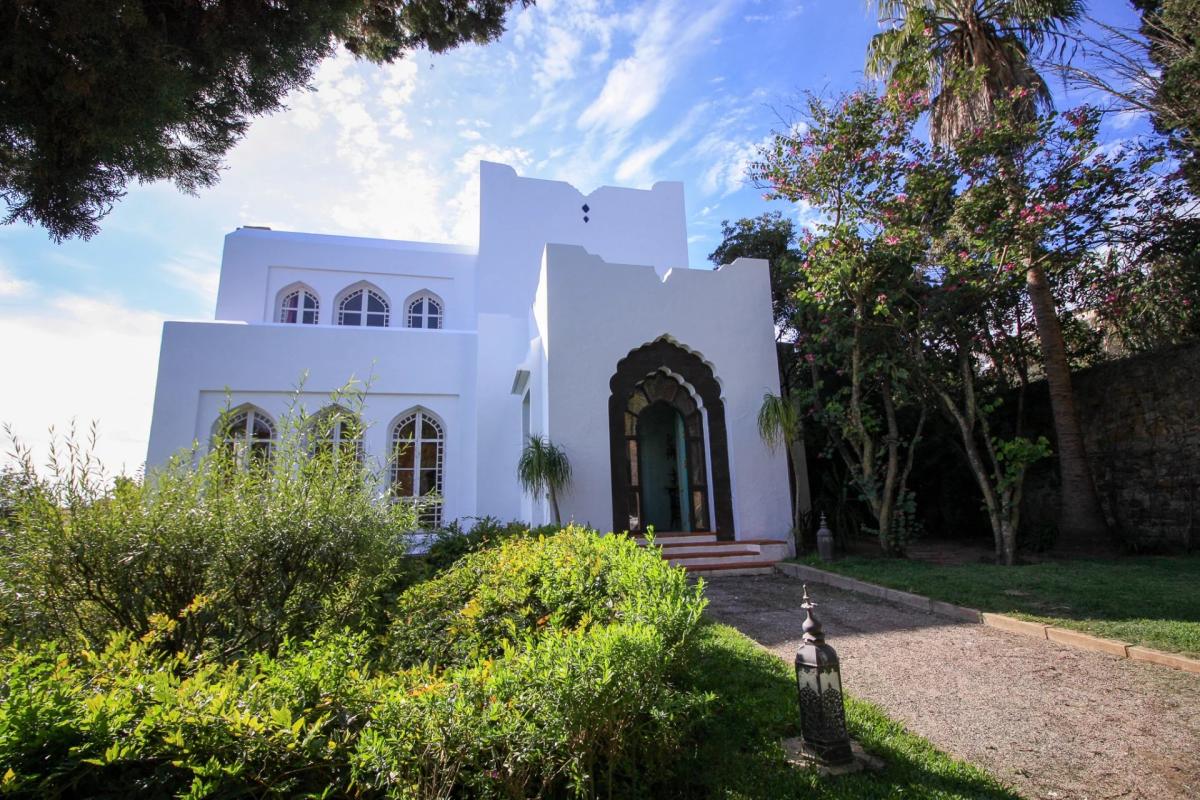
<point>425,311</point>
<point>299,306</point>
<point>247,433</point>
<point>365,308</point>
<point>418,455</point>
<point>339,431</point>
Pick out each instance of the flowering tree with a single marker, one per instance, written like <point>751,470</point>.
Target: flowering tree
<point>852,164</point>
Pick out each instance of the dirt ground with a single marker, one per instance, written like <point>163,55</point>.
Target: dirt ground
<point>1051,721</point>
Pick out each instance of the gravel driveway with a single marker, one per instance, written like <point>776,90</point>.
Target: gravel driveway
<point>1051,721</point>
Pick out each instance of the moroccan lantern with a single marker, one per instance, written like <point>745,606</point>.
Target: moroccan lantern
<point>819,685</point>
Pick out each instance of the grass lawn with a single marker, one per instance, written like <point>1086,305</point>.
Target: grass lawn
<point>739,755</point>
<point>1152,601</point>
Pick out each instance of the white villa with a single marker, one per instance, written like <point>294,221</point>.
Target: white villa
<point>576,317</point>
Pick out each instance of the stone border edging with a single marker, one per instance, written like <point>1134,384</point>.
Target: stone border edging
<point>1037,630</point>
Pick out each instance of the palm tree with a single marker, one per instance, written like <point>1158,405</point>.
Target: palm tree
<point>933,43</point>
<point>779,425</point>
<point>544,467</point>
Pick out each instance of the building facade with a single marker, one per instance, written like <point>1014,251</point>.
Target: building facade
<point>576,318</point>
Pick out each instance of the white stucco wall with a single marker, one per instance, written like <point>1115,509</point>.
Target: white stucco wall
<point>518,216</point>
<point>258,264</point>
<point>203,362</point>
<point>561,314</point>
<point>598,312</point>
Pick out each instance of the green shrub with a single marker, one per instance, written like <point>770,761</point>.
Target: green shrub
<point>453,543</point>
<point>578,705</point>
<point>256,550</point>
<point>573,580</point>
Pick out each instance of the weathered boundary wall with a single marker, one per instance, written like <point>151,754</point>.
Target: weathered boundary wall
<point>1141,423</point>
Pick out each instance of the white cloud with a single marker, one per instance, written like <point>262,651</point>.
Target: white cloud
<point>636,84</point>
<point>637,167</point>
<point>557,63</point>
<point>11,285</point>
<point>85,359</point>
<point>199,274</point>
<point>728,160</point>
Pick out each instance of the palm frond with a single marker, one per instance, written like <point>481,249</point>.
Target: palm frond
<point>543,465</point>
<point>778,421</point>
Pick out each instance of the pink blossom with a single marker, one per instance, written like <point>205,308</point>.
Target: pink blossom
<point>809,357</point>
<point>892,240</point>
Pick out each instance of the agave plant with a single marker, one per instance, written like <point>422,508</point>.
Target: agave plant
<point>544,467</point>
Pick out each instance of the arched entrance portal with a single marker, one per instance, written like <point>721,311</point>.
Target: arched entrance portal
<point>667,430</point>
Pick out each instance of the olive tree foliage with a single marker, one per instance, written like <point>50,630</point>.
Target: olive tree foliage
<point>235,550</point>
<point>98,94</point>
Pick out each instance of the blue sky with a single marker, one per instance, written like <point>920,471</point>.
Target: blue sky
<point>592,92</point>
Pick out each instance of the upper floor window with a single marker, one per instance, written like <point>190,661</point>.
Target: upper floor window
<point>365,307</point>
<point>425,311</point>
<point>299,305</point>
<point>247,433</point>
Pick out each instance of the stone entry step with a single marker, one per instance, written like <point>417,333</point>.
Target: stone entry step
<point>702,553</point>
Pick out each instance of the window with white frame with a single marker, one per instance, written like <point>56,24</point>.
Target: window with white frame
<point>339,431</point>
<point>299,306</point>
<point>363,307</point>
<point>247,433</point>
<point>425,311</point>
<point>418,447</point>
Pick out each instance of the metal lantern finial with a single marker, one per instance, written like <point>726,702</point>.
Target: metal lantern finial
<point>824,540</point>
<point>819,689</point>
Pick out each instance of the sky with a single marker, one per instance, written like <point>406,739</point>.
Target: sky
<point>593,92</point>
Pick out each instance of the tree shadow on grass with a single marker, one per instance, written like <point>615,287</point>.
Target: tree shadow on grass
<point>736,750</point>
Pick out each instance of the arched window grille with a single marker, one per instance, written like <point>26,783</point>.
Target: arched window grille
<point>425,311</point>
<point>299,306</point>
<point>418,448</point>
<point>363,307</point>
<point>248,434</point>
<point>338,431</point>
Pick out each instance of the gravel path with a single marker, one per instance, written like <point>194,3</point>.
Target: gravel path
<point>1051,721</point>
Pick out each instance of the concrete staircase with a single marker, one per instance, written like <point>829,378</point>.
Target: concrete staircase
<point>703,554</point>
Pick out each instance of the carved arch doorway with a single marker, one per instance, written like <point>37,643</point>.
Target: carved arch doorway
<point>666,432</point>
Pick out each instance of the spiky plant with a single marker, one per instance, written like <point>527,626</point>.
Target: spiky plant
<point>544,467</point>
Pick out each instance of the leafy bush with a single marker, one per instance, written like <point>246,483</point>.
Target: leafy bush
<point>453,543</point>
<point>576,704</point>
<point>254,549</point>
<point>576,580</point>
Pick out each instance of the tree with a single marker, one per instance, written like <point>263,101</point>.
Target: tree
<point>971,55</point>
<point>772,237</point>
<point>1171,31</point>
<point>544,469</point>
<point>101,93</point>
<point>781,425</point>
<point>848,165</point>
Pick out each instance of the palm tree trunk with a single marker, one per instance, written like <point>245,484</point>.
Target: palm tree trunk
<point>803,494</point>
<point>1081,522</point>
<point>554,507</point>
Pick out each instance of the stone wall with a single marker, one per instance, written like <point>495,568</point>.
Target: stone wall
<point>1141,423</point>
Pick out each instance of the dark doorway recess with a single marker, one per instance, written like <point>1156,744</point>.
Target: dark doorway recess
<point>657,437</point>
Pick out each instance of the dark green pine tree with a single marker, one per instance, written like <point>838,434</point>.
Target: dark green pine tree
<point>95,94</point>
